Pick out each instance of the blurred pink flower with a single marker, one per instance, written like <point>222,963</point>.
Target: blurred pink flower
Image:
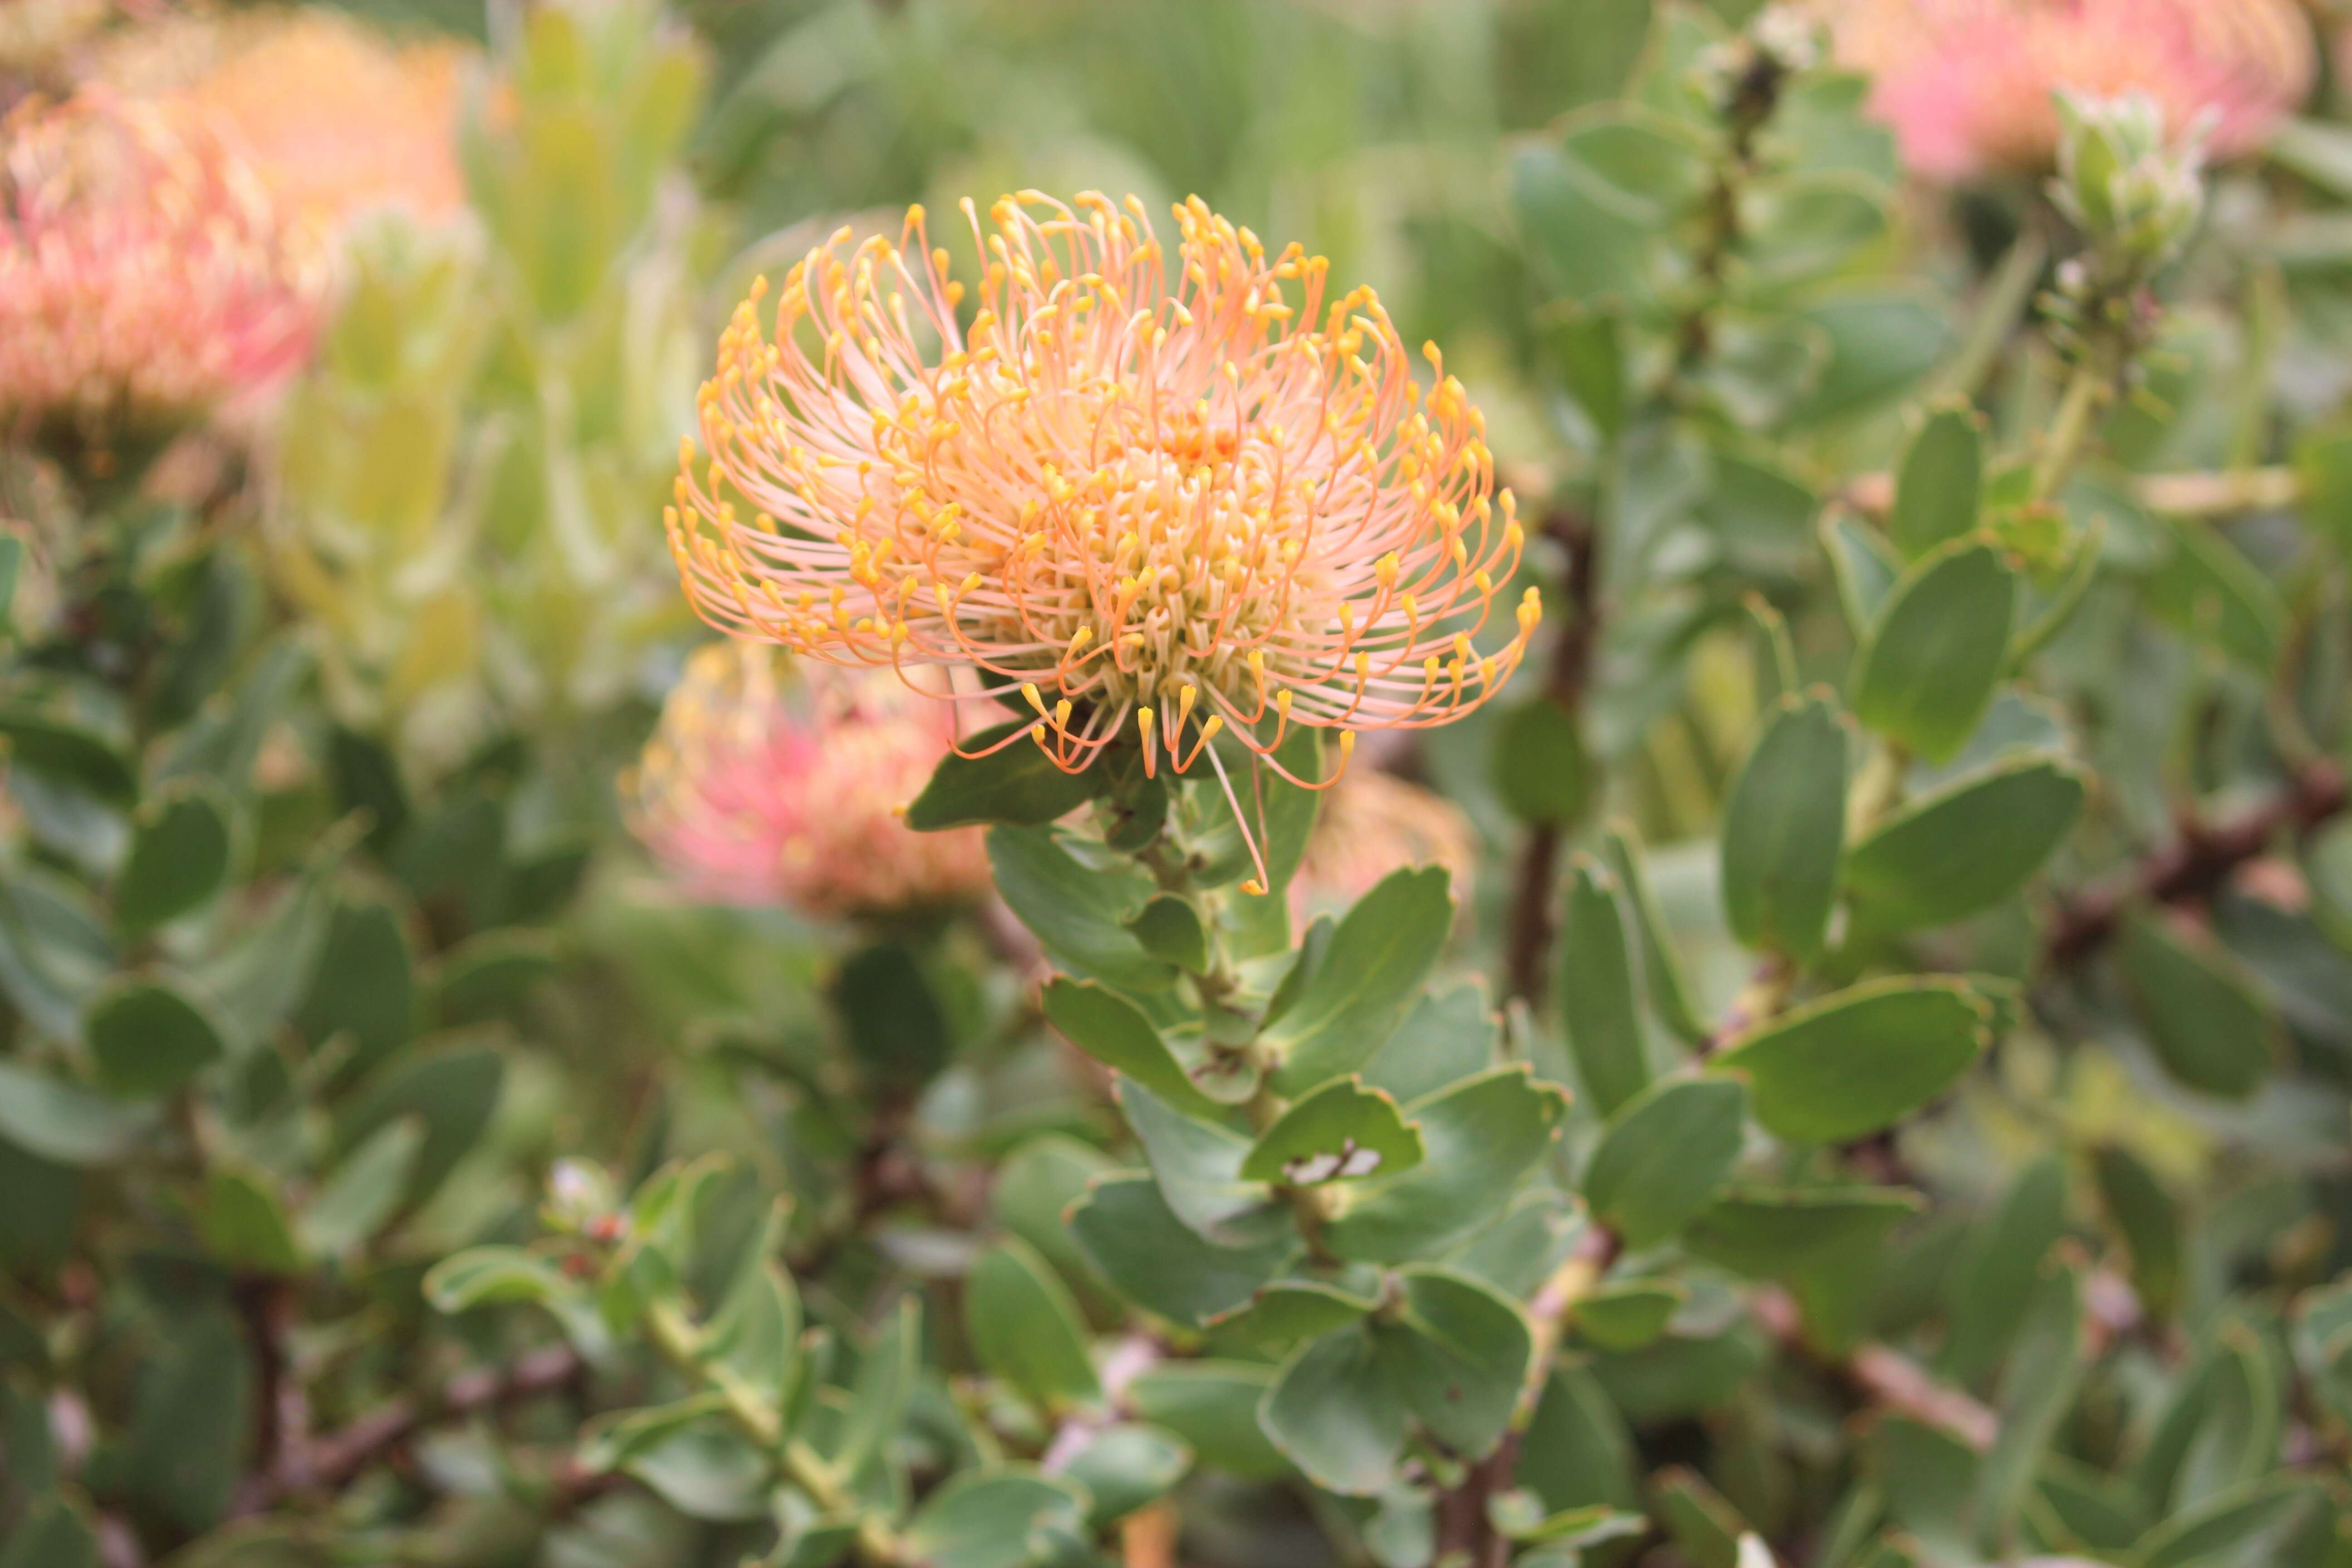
<point>143,265</point>
<point>1967,84</point>
<point>765,787</point>
<point>1372,824</point>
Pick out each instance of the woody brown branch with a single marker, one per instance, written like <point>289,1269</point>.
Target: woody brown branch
<point>1530,940</point>
<point>2196,865</point>
<point>335,1459</point>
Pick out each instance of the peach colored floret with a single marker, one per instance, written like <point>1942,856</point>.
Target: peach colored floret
<point>143,265</point>
<point>767,787</point>
<point>1967,84</point>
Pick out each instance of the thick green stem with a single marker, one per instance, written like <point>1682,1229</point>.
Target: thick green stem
<point>680,1343</point>
<point>2086,394</point>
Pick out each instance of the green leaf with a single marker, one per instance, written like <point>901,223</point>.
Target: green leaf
<point>1966,847</point>
<point>1199,1167</point>
<point>754,1336</point>
<point>610,1441</point>
<point>705,1469</point>
<point>2037,1390</point>
<point>1482,1136</point>
<point>1448,1037</point>
<point>1024,1327</point>
<point>1286,1312</point>
<point>2207,1023</point>
<point>488,1276</point>
<point>896,1028</point>
<point>1457,1352</point>
<point>1538,763</point>
<point>257,980</point>
<point>1341,1132</point>
<point>1578,1452</point>
<point>363,1192</point>
<point>61,1123</point>
<point>453,1092</point>
<point>1927,672</point>
<point>1768,1234</point>
<point>984,1518</point>
<point>1159,1262</point>
<point>1041,1178</point>
<point>1940,485</point>
<point>1596,988</point>
<point>245,1224</point>
<point>365,984</point>
<point>1019,787</point>
<point>146,1040</point>
<point>1662,965</point>
<point>1375,967</point>
<point>1879,345</point>
<point>2224,1530</point>
<point>65,753</point>
<point>1170,929</point>
<point>487,975</point>
<point>1080,912</point>
<point>2211,593</point>
<point>1990,1285</point>
<point>887,1374</point>
<point>185,1449</point>
<point>2322,1342</point>
<point>1784,830</point>
<point>1126,1467</point>
<point>1705,1527</point>
<point>1628,1316</point>
<point>1586,350</point>
<point>178,859</point>
<point>51,1534</point>
<point>1213,1404</point>
<point>1336,1414</point>
<point>1111,1030</point>
<point>1860,1060</point>
<point>1864,566</point>
<point>1663,1156</point>
<point>2149,1219</point>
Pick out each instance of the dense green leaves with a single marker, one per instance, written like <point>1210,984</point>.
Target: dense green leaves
<point>1481,1137</point>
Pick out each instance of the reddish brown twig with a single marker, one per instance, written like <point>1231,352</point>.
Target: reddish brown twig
<point>1465,1532</point>
<point>2195,865</point>
<point>1880,1378</point>
<point>1528,947</point>
<point>336,1458</point>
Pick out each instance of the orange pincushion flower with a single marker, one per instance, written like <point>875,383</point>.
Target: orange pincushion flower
<point>142,265</point>
<point>336,119</point>
<point>1968,84</point>
<point>763,791</point>
<point>1168,495</point>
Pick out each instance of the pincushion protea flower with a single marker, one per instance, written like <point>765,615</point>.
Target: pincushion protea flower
<point>764,788</point>
<point>1166,495</point>
<point>335,118</point>
<point>1375,822</point>
<point>142,265</point>
<point>1968,85</point>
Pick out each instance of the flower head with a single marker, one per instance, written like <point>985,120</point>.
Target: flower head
<point>334,118</point>
<point>1166,494</point>
<point>142,266</point>
<point>1968,85</point>
<point>1375,822</point>
<point>762,789</point>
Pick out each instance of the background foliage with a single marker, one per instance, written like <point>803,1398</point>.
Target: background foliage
<point>1889,1100</point>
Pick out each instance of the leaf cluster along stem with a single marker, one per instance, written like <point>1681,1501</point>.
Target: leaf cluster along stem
<point>679,1342</point>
